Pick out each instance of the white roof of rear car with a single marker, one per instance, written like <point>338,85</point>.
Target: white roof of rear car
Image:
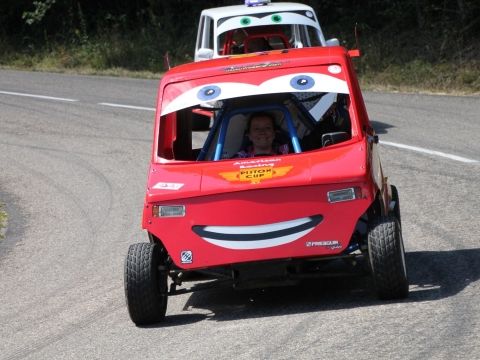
<point>236,10</point>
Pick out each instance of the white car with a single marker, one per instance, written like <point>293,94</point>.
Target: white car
<point>240,29</point>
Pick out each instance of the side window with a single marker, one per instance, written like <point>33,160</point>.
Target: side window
<point>313,36</point>
<point>207,40</point>
<point>166,135</point>
<point>175,136</point>
<point>308,36</point>
<point>205,33</point>
<point>211,29</point>
<point>201,30</point>
<point>298,38</point>
<point>333,122</point>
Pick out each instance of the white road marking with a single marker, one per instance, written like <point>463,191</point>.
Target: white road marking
<point>37,96</point>
<point>430,152</point>
<point>128,106</point>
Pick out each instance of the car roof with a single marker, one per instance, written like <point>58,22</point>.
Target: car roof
<point>262,61</point>
<point>236,10</point>
<point>326,68</point>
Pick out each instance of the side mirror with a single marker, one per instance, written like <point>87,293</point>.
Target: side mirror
<point>354,53</point>
<point>333,42</point>
<point>201,119</point>
<point>204,54</point>
<point>334,138</point>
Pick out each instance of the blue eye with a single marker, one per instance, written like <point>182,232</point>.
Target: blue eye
<point>302,82</point>
<point>209,92</point>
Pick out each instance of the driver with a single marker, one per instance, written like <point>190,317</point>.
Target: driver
<point>261,133</point>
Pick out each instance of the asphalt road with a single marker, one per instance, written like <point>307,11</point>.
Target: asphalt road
<point>72,177</point>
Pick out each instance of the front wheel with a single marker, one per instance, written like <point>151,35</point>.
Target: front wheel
<point>396,207</point>
<point>146,283</point>
<point>387,258</point>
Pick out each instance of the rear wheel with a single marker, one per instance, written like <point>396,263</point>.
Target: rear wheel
<point>387,258</point>
<point>146,283</point>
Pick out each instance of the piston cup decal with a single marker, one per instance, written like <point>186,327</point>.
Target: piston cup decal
<point>255,175</point>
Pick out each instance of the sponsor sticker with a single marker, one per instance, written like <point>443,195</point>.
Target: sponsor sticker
<point>330,244</point>
<point>252,67</point>
<point>255,175</point>
<point>167,186</point>
<point>186,257</point>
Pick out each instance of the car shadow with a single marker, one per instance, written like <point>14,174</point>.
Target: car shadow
<point>380,127</point>
<point>433,275</point>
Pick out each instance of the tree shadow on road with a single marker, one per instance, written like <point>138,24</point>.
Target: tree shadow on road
<point>433,275</point>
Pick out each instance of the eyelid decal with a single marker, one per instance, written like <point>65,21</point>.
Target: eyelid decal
<point>269,18</point>
<point>297,82</point>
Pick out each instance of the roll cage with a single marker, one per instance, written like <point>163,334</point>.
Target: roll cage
<point>297,123</point>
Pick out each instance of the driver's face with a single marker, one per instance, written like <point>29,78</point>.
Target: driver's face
<point>261,132</point>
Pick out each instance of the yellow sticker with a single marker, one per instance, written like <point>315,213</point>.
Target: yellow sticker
<point>256,175</point>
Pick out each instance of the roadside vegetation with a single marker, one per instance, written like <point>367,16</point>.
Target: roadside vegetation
<point>3,221</point>
<point>409,45</point>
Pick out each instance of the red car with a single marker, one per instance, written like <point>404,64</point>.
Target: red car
<point>217,204</point>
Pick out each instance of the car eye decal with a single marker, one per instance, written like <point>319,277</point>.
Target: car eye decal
<point>177,96</point>
<point>245,21</point>
<point>287,17</point>
<point>180,96</point>
<point>276,18</point>
<point>209,92</point>
<point>313,82</point>
<point>302,82</point>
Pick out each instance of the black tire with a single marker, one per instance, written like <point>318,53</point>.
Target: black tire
<point>387,258</point>
<point>396,208</point>
<point>146,283</point>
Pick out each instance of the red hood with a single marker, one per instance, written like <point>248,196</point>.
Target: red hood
<point>178,180</point>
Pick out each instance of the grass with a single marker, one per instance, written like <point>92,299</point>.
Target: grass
<point>414,76</point>
<point>136,57</point>
<point>3,221</point>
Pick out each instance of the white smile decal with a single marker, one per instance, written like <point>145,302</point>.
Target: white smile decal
<point>257,236</point>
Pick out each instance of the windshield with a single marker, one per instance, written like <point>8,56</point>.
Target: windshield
<point>300,110</point>
<point>264,38</point>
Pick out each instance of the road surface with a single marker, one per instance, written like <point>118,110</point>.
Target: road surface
<point>73,163</point>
